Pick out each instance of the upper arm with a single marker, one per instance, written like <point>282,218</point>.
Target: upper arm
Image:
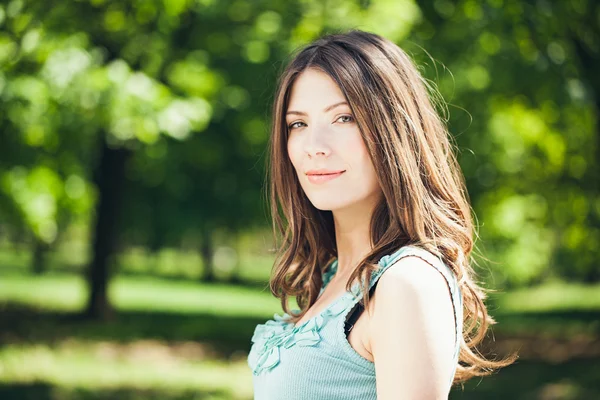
<point>412,332</point>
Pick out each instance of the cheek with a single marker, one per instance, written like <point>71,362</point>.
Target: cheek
<point>363,161</point>
<point>357,148</point>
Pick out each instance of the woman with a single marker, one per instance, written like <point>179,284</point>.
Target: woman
<point>366,193</point>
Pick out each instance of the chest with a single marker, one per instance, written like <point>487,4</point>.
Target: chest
<point>356,322</point>
<point>314,360</point>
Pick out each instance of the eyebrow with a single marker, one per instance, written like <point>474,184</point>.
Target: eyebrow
<point>327,109</point>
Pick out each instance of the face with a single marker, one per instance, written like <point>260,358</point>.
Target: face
<point>323,135</point>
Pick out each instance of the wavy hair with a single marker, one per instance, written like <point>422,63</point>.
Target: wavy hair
<point>424,203</point>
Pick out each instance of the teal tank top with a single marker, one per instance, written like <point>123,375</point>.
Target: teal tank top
<point>315,360</point>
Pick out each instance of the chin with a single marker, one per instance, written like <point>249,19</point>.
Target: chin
<point>330,203</point>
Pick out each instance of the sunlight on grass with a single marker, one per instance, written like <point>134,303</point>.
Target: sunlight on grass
<point>183,297</point>
<point>64,293</point>
<point>74,364</point>
<point>68,293</point>
<point>549,297</point>
<point>171,355</point>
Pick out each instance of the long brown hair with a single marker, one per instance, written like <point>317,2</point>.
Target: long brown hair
<point>424,202</point>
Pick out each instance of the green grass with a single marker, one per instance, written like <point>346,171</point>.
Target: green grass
<point>553,310</point>
<point>47,353</point>
<point>104,366</point>
<point>65,292</point>
<point>550,297</point>
<point>534,380</point>
<point>177,339</point>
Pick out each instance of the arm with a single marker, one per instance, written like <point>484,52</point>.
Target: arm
<point>411,332</point>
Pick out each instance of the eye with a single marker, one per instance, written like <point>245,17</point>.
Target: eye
<point>291,126</point>
<point>346,116</point>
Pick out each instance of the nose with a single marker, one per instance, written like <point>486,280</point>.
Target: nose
<point>316,143</point>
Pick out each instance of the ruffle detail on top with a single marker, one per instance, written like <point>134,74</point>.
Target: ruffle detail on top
<point>269,337</point>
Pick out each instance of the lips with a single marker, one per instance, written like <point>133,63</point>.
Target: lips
<point>323,172</point>
<point>319,178</point>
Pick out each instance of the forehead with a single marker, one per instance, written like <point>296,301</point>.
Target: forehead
<point>313,89</point>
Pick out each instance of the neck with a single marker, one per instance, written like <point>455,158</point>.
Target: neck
<point>353,236</point>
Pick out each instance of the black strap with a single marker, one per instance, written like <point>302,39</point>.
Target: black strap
<point>357,311</point>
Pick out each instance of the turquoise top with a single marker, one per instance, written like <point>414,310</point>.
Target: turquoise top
<point>315,360</point>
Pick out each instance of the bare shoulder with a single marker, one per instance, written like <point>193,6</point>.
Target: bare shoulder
<point>411,278</point>
<point>411,327</point>
<point>408,286</point>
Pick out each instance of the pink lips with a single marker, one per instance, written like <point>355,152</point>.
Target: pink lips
<point>322,178</point>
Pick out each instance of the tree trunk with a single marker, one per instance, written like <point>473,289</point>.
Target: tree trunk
<point>207,250</point>
<point>38,261</point>
<point>110,179</point>
<point>236,274</point>
<point>590,65</point>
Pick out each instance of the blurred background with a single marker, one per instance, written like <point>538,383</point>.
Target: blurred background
<point>135,245</point>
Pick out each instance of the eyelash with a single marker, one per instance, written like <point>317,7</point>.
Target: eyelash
<point>345,115</point>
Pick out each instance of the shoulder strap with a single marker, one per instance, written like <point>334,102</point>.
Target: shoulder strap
<point>356,311</point>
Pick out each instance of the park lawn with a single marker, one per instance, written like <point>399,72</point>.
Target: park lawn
<point>67,292</point>
<point>72,366</point>
<point>177,339</point>
<point>170,339</point>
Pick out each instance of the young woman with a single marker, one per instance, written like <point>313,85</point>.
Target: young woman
<point>366,193</point>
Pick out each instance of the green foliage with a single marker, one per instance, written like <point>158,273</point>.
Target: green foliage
<point>186,86</point>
